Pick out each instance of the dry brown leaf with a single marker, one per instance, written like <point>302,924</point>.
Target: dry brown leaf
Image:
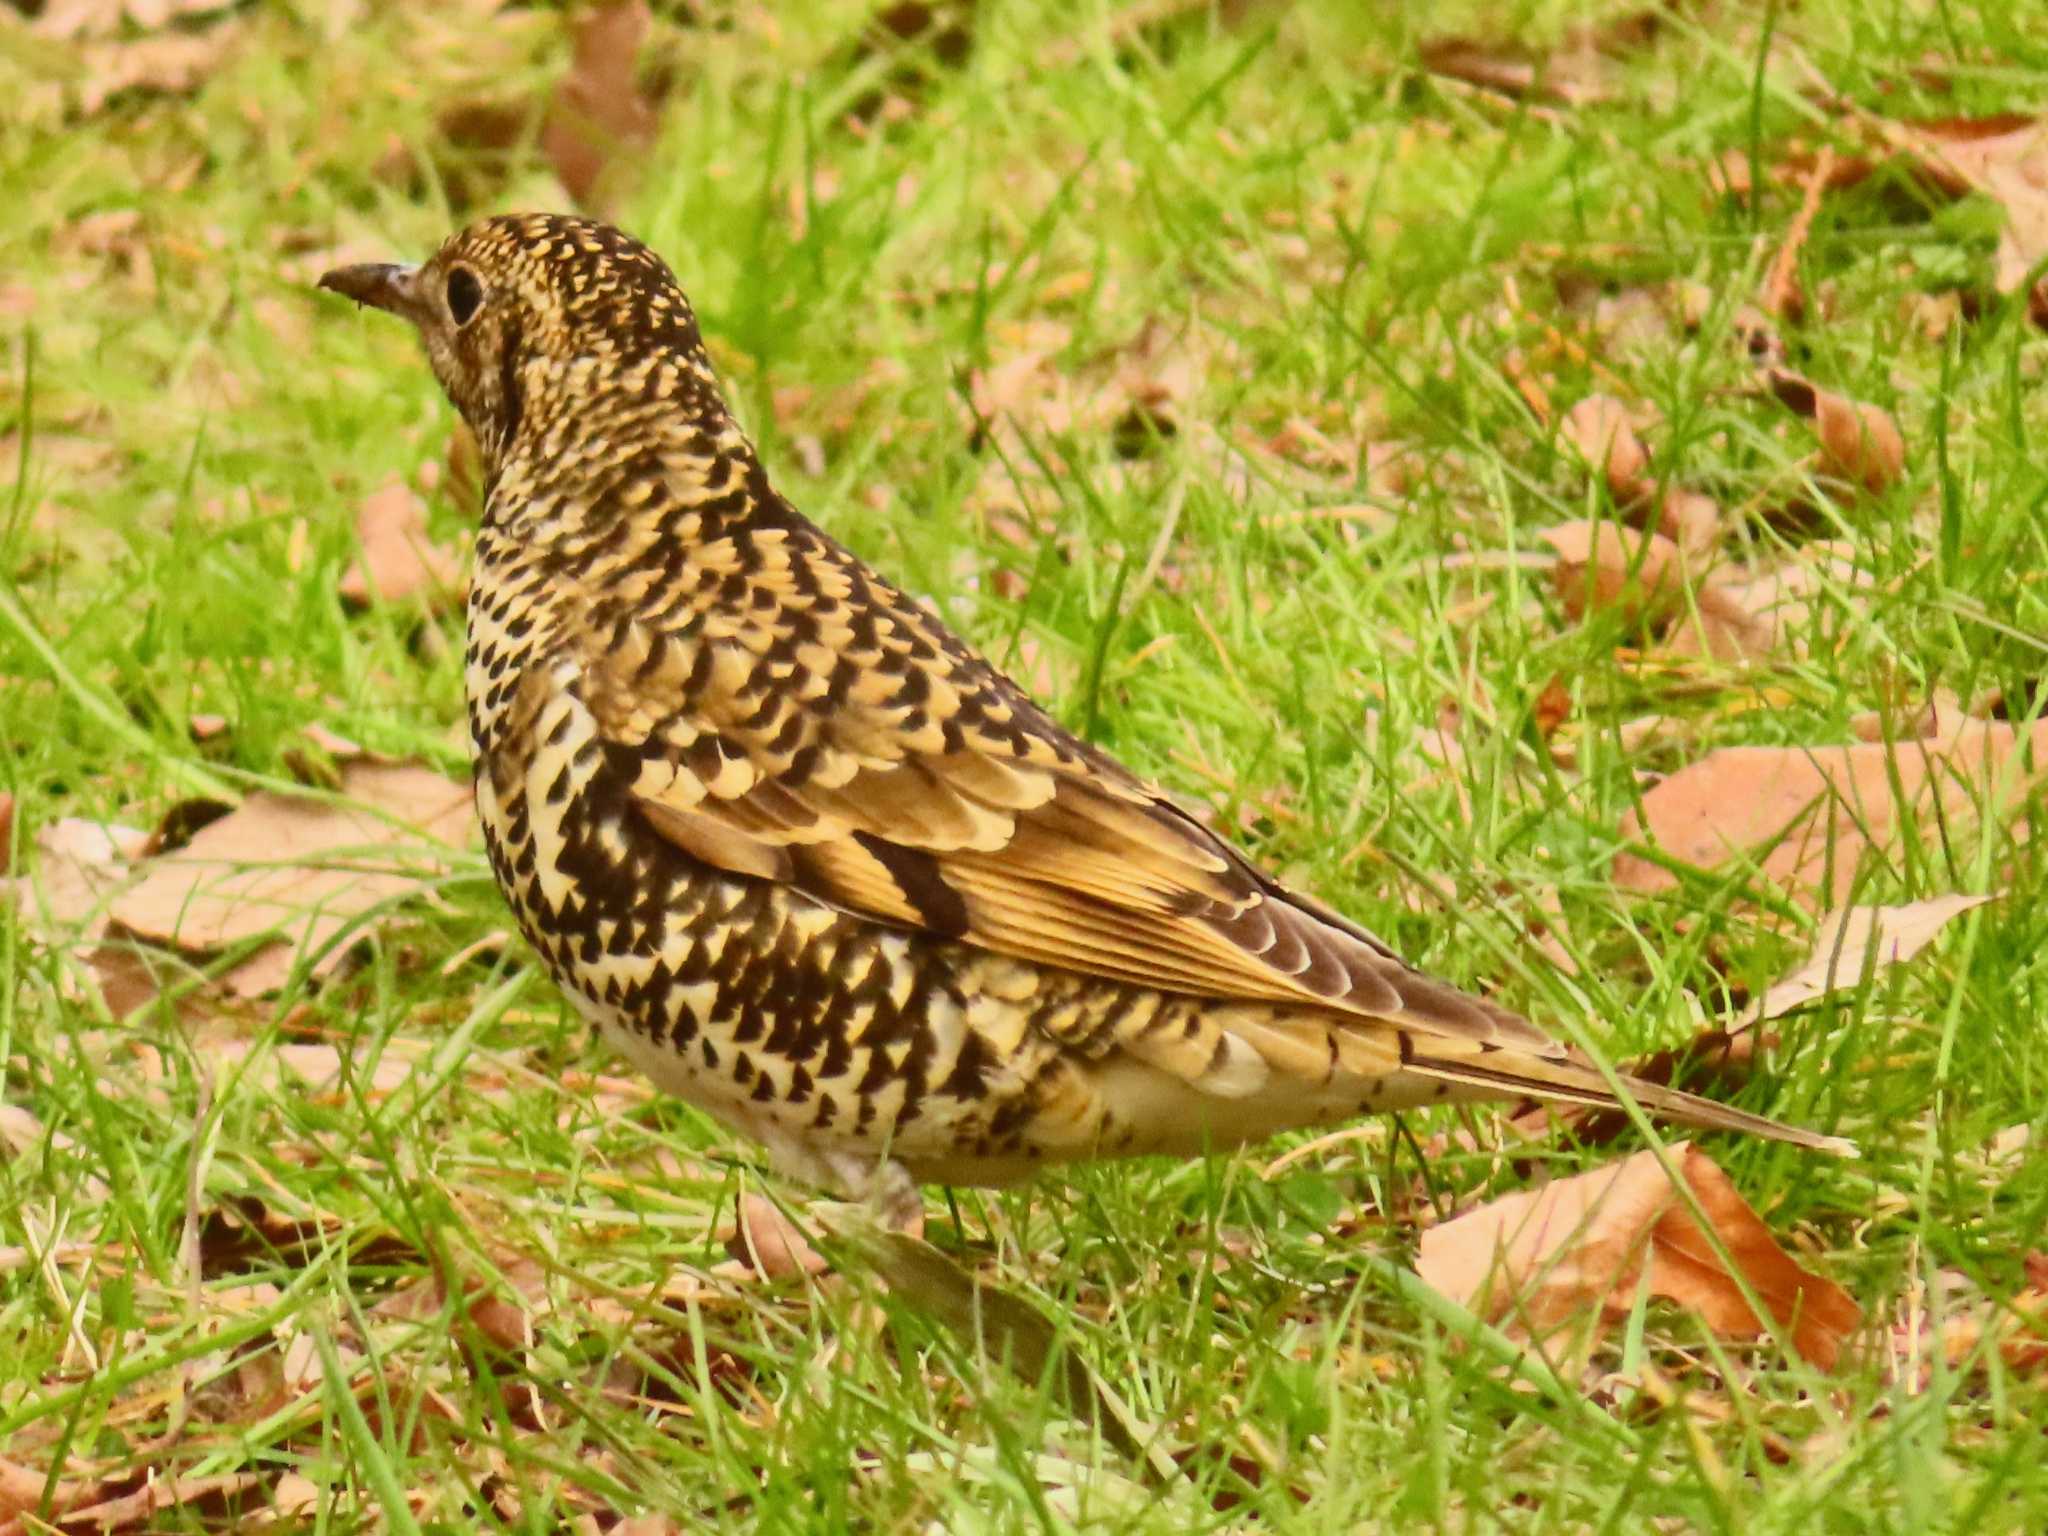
<point>771,1245</point>
<point>130,1511</point>
<point>22,1489</point>
<point>916,38</point>
<point>1859,443</point>
<point>105,18</point>
<point>301,868</point>
<point>243,1233</point>
<point>646,1525</point>
<point>1598,428</point>
<point>1808,814</point>
<point>295,1494</point>
<point>1744,614</point>
<point>1124,25</point>
<point>507,1321</point>
<point>78,867</point>
<point>598,118</point>
<point>1957,1324</point>
<point>2006,159</point>
<point>1574,1253</point>
<point>1722,625</point>
<point>1858,938</point>
<point>166,62</point>
<point>321,1068</point>
<point>1572,78</point>
<point>1137,393</point>
<point>399,559</point>
<point>1690,519</point>
<point>1604,565</point>
<point>1552,708</point>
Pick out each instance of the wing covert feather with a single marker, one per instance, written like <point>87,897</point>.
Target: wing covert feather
<point>913,783</point>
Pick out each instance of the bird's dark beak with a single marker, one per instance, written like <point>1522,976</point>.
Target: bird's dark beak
<point>379,285</point>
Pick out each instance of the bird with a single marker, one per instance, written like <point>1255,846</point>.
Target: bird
<point>808,859</point>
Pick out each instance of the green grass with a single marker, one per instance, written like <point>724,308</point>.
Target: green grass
<point>1320,235</point>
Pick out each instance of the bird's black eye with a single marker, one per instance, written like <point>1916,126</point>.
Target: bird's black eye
<point>465,294</point>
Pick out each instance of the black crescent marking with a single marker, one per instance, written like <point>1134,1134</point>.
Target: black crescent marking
<point>940,908</point>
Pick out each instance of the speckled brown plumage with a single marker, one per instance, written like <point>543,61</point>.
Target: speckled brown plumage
<point>809,860</point>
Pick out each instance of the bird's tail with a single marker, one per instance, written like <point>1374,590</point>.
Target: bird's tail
<point>1562,1080</point>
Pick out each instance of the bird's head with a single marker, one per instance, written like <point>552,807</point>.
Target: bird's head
<point>526,309</point>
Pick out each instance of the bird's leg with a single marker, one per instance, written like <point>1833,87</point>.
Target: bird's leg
<point>885,1187</point>
<point>880,1183</point>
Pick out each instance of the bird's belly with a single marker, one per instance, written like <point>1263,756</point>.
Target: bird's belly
<point>787,1019</point>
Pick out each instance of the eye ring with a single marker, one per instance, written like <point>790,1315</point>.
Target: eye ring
<point>465,295</point>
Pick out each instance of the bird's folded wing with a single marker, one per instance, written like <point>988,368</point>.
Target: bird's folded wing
<point>888,771</point>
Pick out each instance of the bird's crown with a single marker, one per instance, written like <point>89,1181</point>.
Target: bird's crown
<point>517,295</point>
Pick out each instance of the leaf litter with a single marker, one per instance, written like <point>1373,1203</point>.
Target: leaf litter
<point>599,122</point>
<point>299,872</point>
<point>1574,1255</point>
<point>2003,157</point>
<point>400,559</point>
<point>1847,946</point>
<point>1806,817</point>
<point>1856,941</point>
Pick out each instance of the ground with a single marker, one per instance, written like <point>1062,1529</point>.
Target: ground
<point>1212,370</point>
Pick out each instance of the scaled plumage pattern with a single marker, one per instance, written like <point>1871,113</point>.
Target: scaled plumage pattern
<point>809,860</point>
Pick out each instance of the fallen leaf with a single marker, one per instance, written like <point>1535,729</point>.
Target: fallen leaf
<point>1604,565</point>
<point>1743,613</point>
<point>1575,1251</point>
<point>399,559</point>
<point>78,867</point>
<point>1690,519</point>
<point>22,1491</point>
<point>1722,623</point>
<point>2006,159</point>
<point>300,868</point>
<point>1857,939</point>
<point>1809,814</point>
<point>1954,1323</point>
<point>507,1320</point>
<point>771,1245</point>
<point>166,63</point>
<point>1598,428</point>
<point>1859,443</point>
<point>296,1495</point>
<point>198,1496</point>
<point>1552,708</point>
<point>243,1234</point>
<point>106,18</point>
<point>916,38</point>
<point>1573,78</point>
<point>1145,24</point>
<point>598,117</point>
